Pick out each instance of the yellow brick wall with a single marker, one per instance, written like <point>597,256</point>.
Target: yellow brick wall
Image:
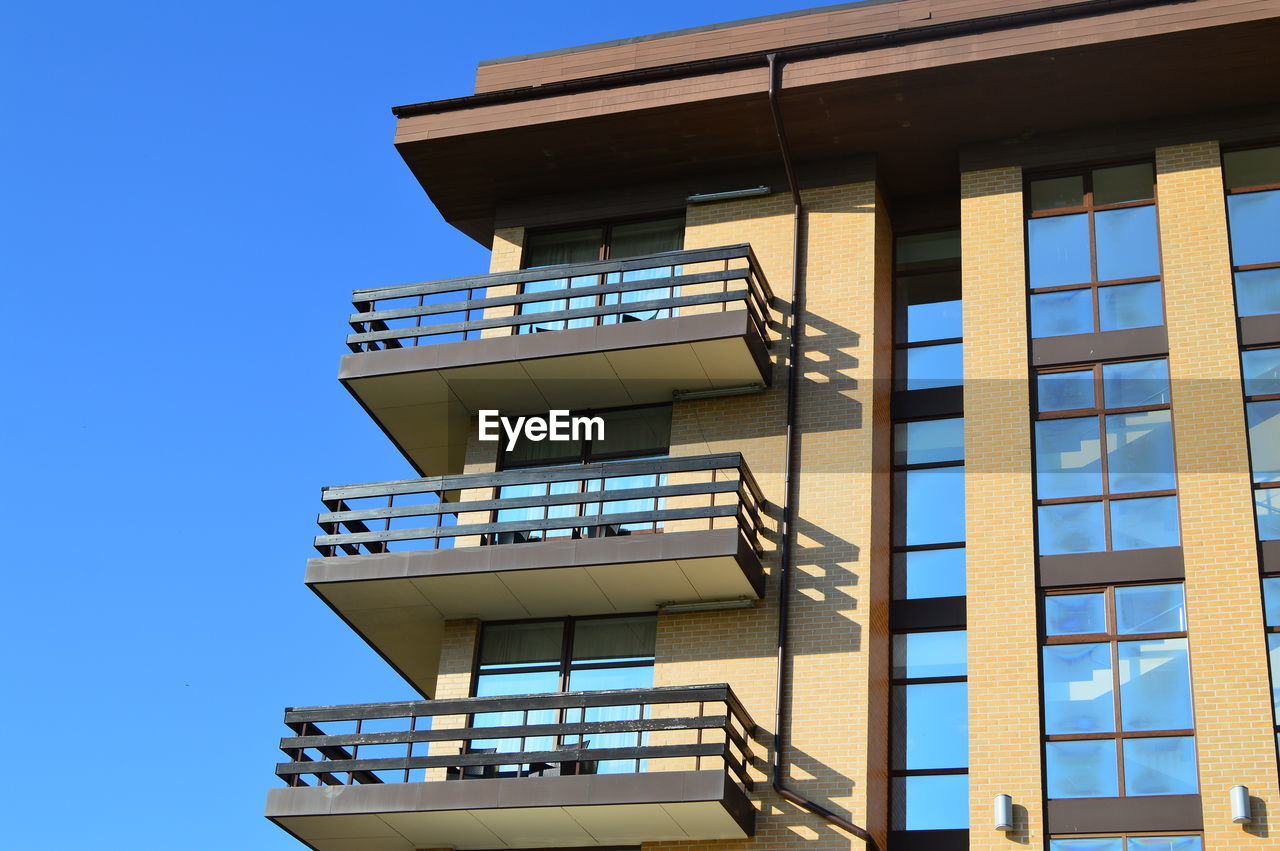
<point>1234,731</point>
<point>1004,680</point>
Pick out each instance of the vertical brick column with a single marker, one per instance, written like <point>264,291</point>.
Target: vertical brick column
<point>1004,678</point>
<point>1234,727</point>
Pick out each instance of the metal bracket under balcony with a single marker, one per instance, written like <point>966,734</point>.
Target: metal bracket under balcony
<point>400,558</point>
<point>529,771</point>
<point>425,357</point>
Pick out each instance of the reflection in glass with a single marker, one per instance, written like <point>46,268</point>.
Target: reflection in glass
<point>1160,766</point>
<point>1273,654</point>
<point>929,306</point>
<point>1064,391</point>
<point>924,250</point>
<point>1144,523</point>
<point>929,654</point>
<point>1251,167</point>
<point>1140,452</point>
<point>1271,600</point>
<point>929,441</point>
<point>1075,614</point>
<point>1126,243</point>
<point>929,573</point>
<point>1261,371</point>
<point>1258,292</point>
<point>1130,306</point>
<point>931,802</point>
<point>1103,843</point>
<point>1058,313</point>
<point>1078,689</point>
<point>1117,184</point>
<point>1082,769</point>
<point>1058,247</point>
<point>1068,458</point>
<point>935,717</point>
<point>1135,383</point>
<point>1264,439</point>
<point>1144,609</point>
<point>932,503</point>
<point>1267,505</point>
<point>1071,528</point>
<point>925,367</point>
<point>1057,192</point>
<point>1165,843</point>
<point>1155,685</point>
<point>1254,219</point>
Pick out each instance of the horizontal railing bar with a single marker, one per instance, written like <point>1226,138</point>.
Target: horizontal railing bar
<point>506,758</point>
<point>622,518</point>
<point>538,475</point>
<point>709,693</point>
<point>590,290</point>
<point>550,316</point>
<point>516,502</point>
<point>551,273</point>
<point>529,731</point>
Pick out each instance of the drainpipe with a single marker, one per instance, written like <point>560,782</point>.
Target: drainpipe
<point>776,759</point>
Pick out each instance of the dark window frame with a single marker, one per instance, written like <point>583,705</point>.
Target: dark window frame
<point>899,312</point>
<point>1248,399</point>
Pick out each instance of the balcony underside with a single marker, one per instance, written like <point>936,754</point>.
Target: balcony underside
<point>398,602</point>
<point>423,396</point>
<point>530,812</point>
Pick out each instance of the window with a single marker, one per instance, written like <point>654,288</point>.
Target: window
<point>571,654</point>
<point>1261,369</point>
<point>1252,179</point>
<point>1093,251</point>
<point>1117,693</point>
<point>928,350</point>
<point>1127,843</point>
<point>930,731</point>
<point>606,242</point>
<point>1105,475</point>
<point>929,528</point>
<point>1271,607</point>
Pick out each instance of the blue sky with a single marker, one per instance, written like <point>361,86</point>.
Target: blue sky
<point>190,193</point>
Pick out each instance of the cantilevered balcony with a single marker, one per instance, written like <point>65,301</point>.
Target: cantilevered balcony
<point>400,558</point>
<point>600,768</point>
<point>425,357</point>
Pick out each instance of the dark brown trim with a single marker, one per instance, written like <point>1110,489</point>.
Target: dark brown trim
<point>1259,330</point>
<point>1124,815</point>
<point>1269,554</point>
<point>1116,566</point>
<point>924,404</point>
<point>1099,346</point>
<point>929,840</point>
<point>929,613</point>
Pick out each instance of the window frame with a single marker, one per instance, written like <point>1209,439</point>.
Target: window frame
<point>900,345</point>
<point>1248,400</point>
<point>1245,190</point>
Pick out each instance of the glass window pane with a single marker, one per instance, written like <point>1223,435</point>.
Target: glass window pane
<point>1126,243</point>
<point>1165,843</point>
<point>1064,312</point>
<point>535,643</point>
<point>1135,383</point>
<point>1140,452</point>
<point>1261,371</point>
<point>1258,292</point>
<point>552,249</point>
<point>931,506</point>
<point>929,654</point>
<point>929,441</point>
<point>1155,685</point>
<point>929,307</point>
<point>924,367</point>
<point>1254,219</point>
<point>1057,192</point>
<point>1150,608</point>
<point>1100,843</point>
<point>635,432</point>
<point>1075,614</point>
<point>938,802</point>
<point>640,238</point>
<point>1077,689</point>
<point>1160,766</point>
<point>1273,654</point>
<point>931,725</point>
<point>1064,391</point>
<point>1143,523</point>
<point>929,573</point>
<point>1068,458</point>
<point>1058,247</point>
<point>1082,769</point>
<point>610,679</point>
<point>600,639</point>
<point>1254,167</point>
<point>1264,439</point>
<point>1267,504</point>
<point>926,250</point>
<point>1130,306</point>
<point>1271,598</point>
<point>1071,528</point>
<point>1120,183</point>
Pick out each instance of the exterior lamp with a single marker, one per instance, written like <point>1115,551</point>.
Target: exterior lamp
<point>1004,813</point>
<point>1241,809</point>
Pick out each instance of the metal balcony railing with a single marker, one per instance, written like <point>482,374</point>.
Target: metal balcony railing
<point>541,503</point>
<point>556,298</point>
<point>535,735</point>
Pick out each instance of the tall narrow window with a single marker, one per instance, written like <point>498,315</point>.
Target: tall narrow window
<point>1262,409</point>
<point>1093,252</point>
<point>1253,208</point>
<point>1105,475</point>
<point>927,332</point>
<point>1271,606</point>
<point>1117,693</point>
<point>929,511</point>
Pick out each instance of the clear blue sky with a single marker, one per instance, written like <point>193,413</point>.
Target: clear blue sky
<point>190,192</point>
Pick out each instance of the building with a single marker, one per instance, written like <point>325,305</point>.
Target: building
<point>848,587</point>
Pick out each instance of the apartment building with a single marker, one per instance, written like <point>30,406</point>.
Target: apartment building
<point>937,506</point>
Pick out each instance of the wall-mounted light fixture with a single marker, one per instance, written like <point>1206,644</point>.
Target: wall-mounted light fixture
<point>1004,813</point>
<point>704,197</point>
<point>1241,809</point>
<point>708,606</point>
<point>713,392</point>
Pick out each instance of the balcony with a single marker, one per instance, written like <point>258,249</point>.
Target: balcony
<point>400,558</point>
<point>532,771</point>
<point>425,357</point>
